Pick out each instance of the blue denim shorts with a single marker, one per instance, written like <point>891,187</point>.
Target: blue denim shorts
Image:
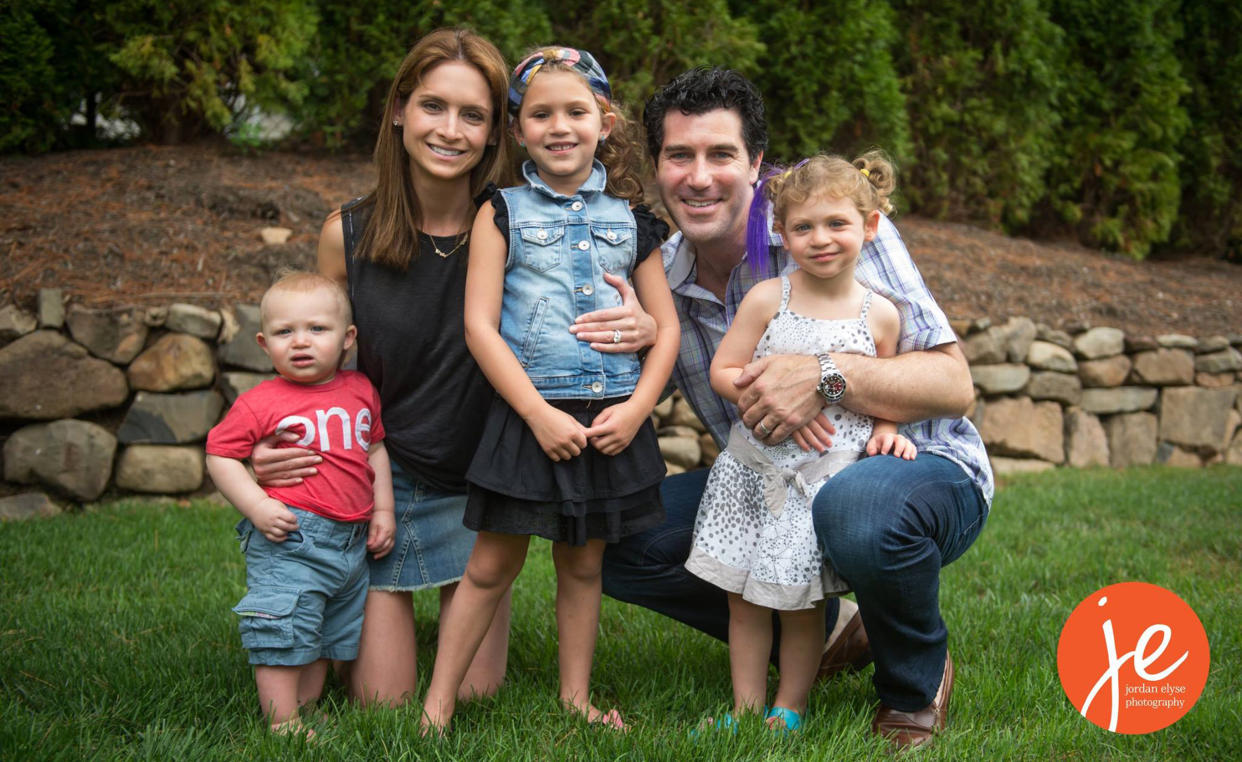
<point>431,546</point>
<point>305,595</point>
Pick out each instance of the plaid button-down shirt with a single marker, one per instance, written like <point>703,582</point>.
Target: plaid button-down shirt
<point>886,268</point>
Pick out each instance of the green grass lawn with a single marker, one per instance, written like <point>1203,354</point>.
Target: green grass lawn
<point>117,641</point>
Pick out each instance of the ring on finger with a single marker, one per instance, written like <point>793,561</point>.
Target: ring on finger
<point>766,431</point>
<point>616,336</point>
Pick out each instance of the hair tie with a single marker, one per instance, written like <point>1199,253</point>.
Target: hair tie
<point>865,172</point>
<point>785,175</point>
<point>576,60</point>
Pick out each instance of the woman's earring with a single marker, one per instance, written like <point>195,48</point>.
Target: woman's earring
<point>396,123</point>
<point>603,140</point>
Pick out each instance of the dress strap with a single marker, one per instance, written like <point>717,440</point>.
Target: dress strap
<point>784,293</point>
<point>866,306</point>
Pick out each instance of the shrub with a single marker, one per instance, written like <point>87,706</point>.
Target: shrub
<point>1210,219</point>
<point>191,67</point>
<point>50,68</point>
<point>828,78</point>
<point>29,82</point>
<point>981,84</point>
<point>359,47</point>
<point>643,45</point>
<point>1115,174</point>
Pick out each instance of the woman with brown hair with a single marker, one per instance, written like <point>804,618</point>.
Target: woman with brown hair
<point>400,251</point>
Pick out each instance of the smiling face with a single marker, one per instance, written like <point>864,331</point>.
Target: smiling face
<point>446,122</point>
<point>824,235</point>
<point>305,332</point>
<point>706,177</point>
<point>561,124</point>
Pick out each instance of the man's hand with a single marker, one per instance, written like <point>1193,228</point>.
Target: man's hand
<point>638,329</point>
<point>779,396</point>
<point>273,520</point>
<point>276,466</point>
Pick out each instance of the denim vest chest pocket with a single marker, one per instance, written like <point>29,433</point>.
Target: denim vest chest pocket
<point>615,246</point>
<point>541,248</point>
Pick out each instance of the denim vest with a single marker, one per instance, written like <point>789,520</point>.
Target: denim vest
<point>559,248</point>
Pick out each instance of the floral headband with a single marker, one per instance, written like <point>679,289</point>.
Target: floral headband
<point>578,60</point>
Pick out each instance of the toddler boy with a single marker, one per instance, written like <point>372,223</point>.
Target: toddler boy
<point>306,570</point>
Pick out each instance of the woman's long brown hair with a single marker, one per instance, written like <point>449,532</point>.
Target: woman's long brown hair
<point>391,234</point>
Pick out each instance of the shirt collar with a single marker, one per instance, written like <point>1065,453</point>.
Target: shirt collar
<point>679,259</point>
<point>595,182</point>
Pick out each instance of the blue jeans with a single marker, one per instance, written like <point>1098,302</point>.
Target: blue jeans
<point>887,525</point>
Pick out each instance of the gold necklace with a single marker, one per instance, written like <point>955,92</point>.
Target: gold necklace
<point>446,254</point>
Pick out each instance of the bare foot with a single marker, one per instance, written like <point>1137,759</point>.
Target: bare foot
<point>293,727</point>
<point>610,719</point>
<point>436,728</point>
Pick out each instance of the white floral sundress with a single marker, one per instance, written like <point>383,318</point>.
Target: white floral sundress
<point>746,539</point>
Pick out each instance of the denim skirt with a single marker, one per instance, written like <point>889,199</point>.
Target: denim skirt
<point>431,546</point>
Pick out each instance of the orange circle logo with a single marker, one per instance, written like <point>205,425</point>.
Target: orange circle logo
<point>1133,658</point>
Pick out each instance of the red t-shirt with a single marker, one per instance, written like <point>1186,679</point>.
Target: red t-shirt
<point>338,419</point>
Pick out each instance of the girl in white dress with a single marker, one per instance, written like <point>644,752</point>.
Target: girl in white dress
<point>754,536</point>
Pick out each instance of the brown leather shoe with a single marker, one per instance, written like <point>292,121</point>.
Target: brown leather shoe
<point>850,650</point>
<point>909,729</point>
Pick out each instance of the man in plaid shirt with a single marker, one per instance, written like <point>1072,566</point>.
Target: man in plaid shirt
<point>886,524</point>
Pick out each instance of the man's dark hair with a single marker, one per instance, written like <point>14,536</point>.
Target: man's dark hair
<point>706,89</point>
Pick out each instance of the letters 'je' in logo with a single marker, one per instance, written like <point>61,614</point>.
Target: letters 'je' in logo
<point>1133,658</point>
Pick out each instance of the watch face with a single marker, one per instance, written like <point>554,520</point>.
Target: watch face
<point>833,387</point>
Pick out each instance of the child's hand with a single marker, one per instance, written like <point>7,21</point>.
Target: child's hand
<point>381,533</point>
<point>614,428</point>
<point>881,444</point>
<point>816,435</point>
<point>560,436</point>
<point>273,520</point>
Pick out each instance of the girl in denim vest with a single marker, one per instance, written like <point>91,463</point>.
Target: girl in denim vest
<point>568,450</point>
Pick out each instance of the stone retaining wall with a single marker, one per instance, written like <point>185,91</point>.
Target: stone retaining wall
<point>122,399</point>
<point>1098,397</point>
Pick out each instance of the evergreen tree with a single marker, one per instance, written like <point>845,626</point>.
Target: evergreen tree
<point>1210,219</point>
<point>828,78</point>
<point>1115,174</point>
<point>982,87</point>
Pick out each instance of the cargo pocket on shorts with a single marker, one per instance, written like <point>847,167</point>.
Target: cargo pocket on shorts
<point>243,533</point>
<point>267,617</point>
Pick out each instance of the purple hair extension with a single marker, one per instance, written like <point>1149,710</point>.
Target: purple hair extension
<point>757,220</point>
<point>757,224</point>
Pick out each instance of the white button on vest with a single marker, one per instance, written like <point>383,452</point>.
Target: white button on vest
<point>583,245</point>
<point>597,387</point>
<point>612,235</point>
<point>576,206</point>
<point>588,290</point>
<point>541,235</point>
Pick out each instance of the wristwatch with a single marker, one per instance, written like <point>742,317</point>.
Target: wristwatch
<point>831,382</point>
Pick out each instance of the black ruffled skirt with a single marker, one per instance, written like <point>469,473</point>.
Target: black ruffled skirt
<point>514,488</point>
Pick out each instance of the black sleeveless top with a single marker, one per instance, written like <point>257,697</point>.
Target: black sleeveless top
<point>411,344</point>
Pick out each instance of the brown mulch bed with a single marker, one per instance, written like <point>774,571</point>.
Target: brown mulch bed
<point>154,225</point>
